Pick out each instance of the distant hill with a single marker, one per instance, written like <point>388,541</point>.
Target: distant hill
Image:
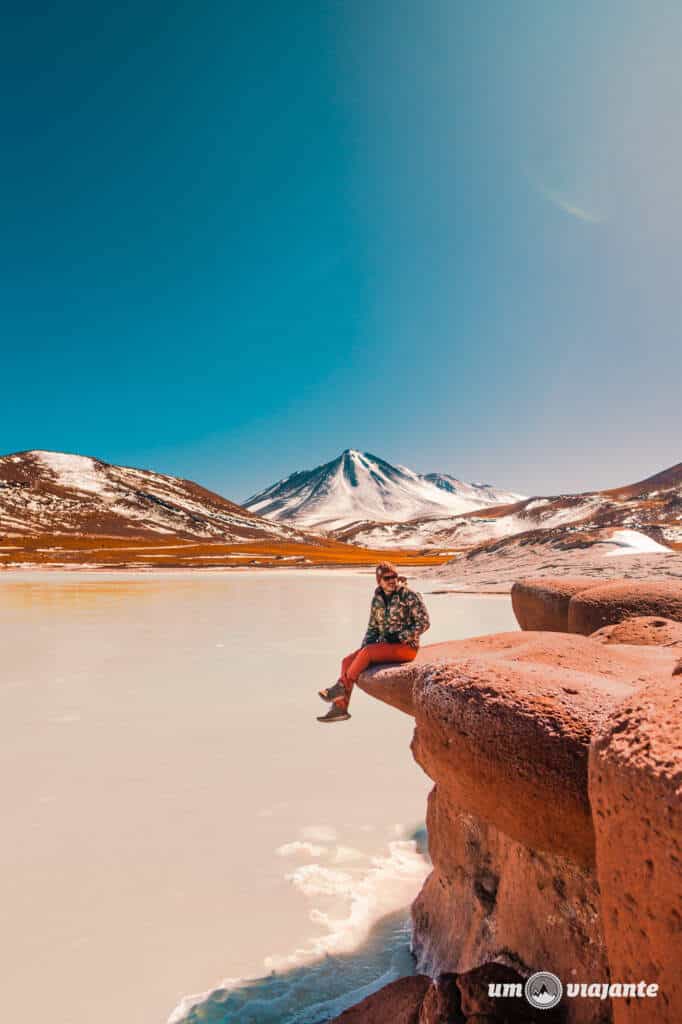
<point>44,492</point>
<point>651,507</point>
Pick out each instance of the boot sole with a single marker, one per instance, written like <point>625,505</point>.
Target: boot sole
<point>330,721</point>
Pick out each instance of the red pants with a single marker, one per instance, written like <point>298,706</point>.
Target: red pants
<point>356,662</point>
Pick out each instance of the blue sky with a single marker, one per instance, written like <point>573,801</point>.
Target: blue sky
<point>240,237</point>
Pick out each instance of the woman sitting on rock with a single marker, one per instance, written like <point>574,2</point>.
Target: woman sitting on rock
<point>397,618</point>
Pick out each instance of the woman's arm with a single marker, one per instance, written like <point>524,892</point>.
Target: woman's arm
<point>419,620</point>
<point>373,633</point>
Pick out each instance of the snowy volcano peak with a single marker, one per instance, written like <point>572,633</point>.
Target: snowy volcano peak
<point>359,487</point>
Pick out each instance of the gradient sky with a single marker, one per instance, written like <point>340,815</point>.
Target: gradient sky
<point>240,237</point>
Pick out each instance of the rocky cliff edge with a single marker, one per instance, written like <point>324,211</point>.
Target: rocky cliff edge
<point>555,820</point>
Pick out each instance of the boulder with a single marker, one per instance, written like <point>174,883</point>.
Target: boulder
<point>641,630</point>
<point>391,684</point>
<point>490,897</point>
<point>394,684</point>
<point>543,603</point>
<point>451,999</point>
<point>555,821</point>
<point>609,603</point>
<point>442,1002</point>
<point>396,1003</point>
<point>505,726</point>
<point>635,778</point>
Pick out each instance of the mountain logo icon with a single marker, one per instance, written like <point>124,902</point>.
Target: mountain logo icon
<point>543,990</point>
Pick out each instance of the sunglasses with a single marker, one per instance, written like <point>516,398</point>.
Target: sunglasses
<point>389,577</point>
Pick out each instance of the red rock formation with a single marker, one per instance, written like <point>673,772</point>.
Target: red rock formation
<point>442,1002</point>
<point>582,605</point>
<point>642,630</point>
<point>449,999</point>
<point>612,602</point>
<point>490,897</point>
<point>635,785</point>
<point>394,685</point>
<point>396,1003</point>
<point>505,722</point>
<point>478,1005</point>
<point>543,603</point>
<point>544,746</point>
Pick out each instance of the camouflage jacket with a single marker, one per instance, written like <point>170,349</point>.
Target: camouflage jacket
<point>398,619</point>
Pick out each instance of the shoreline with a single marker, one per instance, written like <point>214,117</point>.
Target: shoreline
<point>176,572</point>
<point>18,573</point>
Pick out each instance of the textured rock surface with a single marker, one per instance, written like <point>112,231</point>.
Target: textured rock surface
<point>582,605</point>
<point>505,726</point>
<point>442,1002</point>
<point>393,684</point>
<point>450,999</point>
<point>642,630</point>
<point>635,789</point>
<point>555,822</point>
<point>396,1003</point>
<point>492,898</point>
<point>543,603</point>
<point>605,605</point>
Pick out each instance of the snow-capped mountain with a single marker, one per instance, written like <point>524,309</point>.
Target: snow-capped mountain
<point>358,487</point>
<point>57,493</point>
<point>652,507</point>
<point>476,493</point>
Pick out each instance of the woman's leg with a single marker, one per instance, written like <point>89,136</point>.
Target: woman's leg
<point>346,664</point>
<point>372,654</point>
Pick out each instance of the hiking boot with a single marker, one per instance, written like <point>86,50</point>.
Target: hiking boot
<point>332,692</point>
<point>335,714</point>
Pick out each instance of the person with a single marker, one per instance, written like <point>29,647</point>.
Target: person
<point>397,618</point>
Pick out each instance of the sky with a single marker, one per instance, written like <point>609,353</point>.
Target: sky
<point>240,237</point>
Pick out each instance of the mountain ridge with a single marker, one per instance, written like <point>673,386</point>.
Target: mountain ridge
<point>652,506</point>
<point>44,491</point>
<point>359,486</point>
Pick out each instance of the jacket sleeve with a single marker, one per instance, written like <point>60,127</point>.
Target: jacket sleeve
<point>372,633</point>
<point>420,620</point>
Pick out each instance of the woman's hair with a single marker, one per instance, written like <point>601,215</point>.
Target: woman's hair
<point>384,567</point>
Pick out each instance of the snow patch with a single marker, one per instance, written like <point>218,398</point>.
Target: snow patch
<point>633,542</point>
<point>77,472</point>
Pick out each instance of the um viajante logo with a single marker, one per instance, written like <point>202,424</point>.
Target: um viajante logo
<point>543,990</point>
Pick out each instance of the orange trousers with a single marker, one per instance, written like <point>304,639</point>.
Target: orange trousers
<point>357,661</point>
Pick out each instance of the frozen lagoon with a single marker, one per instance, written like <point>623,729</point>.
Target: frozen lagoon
<point>174,815</point>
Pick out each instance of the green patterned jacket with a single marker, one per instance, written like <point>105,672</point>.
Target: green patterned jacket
<point>400,618</point>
